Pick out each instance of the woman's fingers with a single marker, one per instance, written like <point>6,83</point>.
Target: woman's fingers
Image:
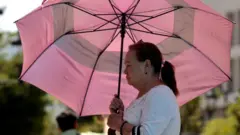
<point>116,104</point>
<point>117,100</point>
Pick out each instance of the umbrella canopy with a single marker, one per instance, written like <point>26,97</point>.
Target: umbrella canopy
<point>73,48</point>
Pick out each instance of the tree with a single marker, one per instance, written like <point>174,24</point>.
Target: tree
<point>191,120</point>
<point>229,125</point>
<point>233,112</point>
<point>91,123</point>
<point>22,109</point>
<point>22,106</point>
<point>50,127</point>
<point>220,126</point>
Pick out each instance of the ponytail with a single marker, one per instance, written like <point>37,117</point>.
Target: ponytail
<point>168,77</point>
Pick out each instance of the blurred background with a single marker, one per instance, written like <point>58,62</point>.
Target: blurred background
<point>26,110</point>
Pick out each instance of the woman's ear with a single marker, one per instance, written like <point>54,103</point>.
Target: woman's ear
<point>147,66</point>
<point>148,63</point>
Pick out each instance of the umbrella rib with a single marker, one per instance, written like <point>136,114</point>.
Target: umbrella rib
<point>40,56</point>
<point>115,10</point>
<point>68,3</point>
<point>130,36</point>
<point>111,3</point>
<point>133,7</point>
<point>173,35</point>
<point>175,8</point>
<point>106,14</point>
<point>141,25</point>
<point>143,16</point>
<point>210,13</point>
<point>204,56</point>
<point>134,37</point>
<point>95,30</point>
<point>157,28</point>
<point>106,23</point>
<point>135,20</point>
<point>89,31</point>
<point>76,7</point>
<point>130,7</point>
<point>137,13</point>
<point>94,67</point>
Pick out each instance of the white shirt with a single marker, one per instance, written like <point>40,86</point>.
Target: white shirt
<point>157,112</point>
<point>70,132</point>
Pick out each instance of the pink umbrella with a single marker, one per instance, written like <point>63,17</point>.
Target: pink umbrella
<point>73,49</point>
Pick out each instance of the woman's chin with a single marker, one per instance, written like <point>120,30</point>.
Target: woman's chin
<point>129,82</point>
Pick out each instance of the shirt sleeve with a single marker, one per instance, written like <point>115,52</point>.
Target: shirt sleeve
<point>157,112</point>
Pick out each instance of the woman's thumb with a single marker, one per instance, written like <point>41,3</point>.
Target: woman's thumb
<point>121,112</point>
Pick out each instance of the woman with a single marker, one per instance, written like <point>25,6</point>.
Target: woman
<point>155,110</point>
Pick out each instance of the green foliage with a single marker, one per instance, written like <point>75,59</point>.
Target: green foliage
<point>218,92</point>
<point>22,106</point>
<point>91,123</point>
<point>230,125</point>
<point>220,126</point>
<point>191,116</point>
<point>10,69</point>
<point>50,127</point>
<point>233,112</point>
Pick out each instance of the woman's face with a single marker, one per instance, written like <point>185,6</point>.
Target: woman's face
<point>134,70</point>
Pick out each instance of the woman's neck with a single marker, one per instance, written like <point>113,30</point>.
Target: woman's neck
<point>147,86</point>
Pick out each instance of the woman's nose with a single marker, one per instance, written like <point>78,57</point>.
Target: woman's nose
<point>125,71</point>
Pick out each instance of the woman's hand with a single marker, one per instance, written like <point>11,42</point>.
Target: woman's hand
<point>115,120</point>
<point>116,105</point>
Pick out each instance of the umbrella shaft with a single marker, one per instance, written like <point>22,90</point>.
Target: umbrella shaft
<point>123,31</point>
<point>123,27</point>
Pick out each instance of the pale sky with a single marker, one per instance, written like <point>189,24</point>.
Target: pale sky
<point>15,9</point>
<point>19,8</point>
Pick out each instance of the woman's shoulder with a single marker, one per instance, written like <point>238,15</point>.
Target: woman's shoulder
<point>162,95</point>
<point>161,91</point>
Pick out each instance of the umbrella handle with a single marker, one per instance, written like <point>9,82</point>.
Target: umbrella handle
<point>111,131</point>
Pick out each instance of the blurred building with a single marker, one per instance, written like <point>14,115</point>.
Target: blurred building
<point>231,10</point>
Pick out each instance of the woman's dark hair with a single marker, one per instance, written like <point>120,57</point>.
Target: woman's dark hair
<point>149,51</point>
